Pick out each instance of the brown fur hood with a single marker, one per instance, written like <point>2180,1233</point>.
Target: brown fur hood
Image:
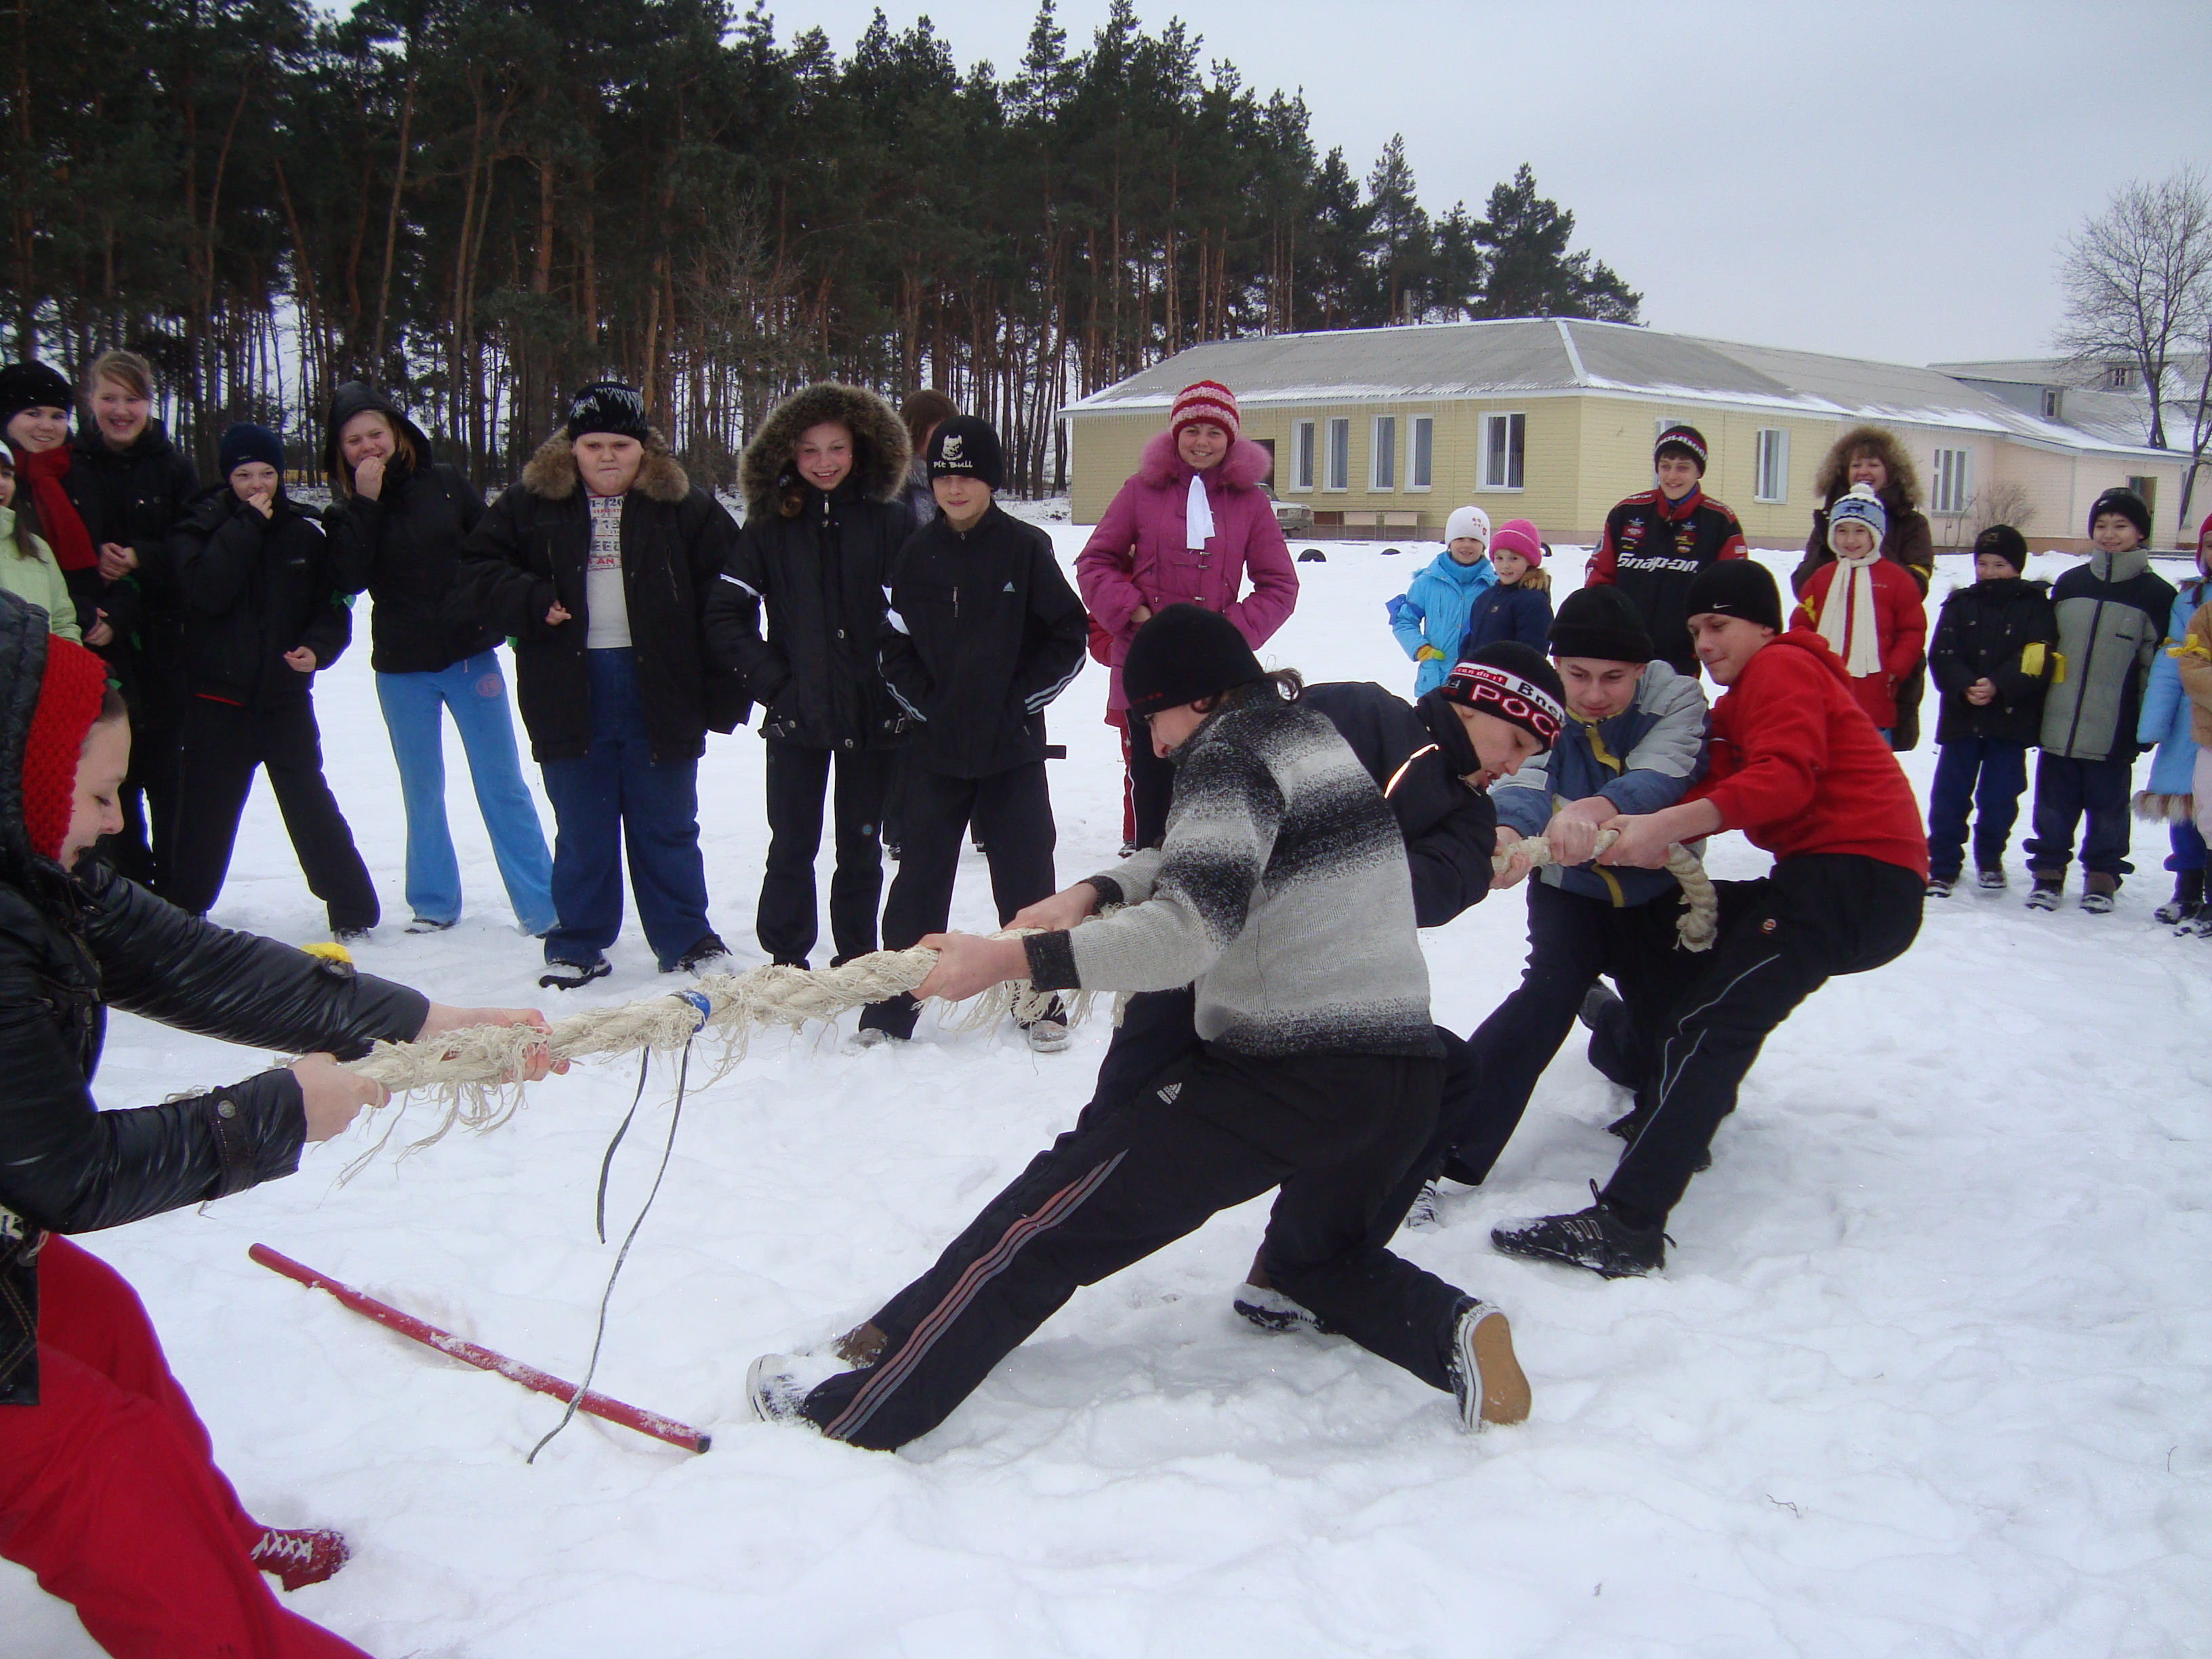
<point>551,473</point>
<point>878,437</point>
<point>1833,477</point>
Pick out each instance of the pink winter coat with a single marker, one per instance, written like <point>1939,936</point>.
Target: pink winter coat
<point>1137,555</point>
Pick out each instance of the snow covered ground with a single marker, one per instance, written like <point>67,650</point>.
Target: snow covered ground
<point>1925,1375</point>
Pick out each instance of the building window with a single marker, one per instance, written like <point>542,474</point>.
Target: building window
<point>1770,474</point>
<point>1340,455</point>
<point>1503,440</point>
<point>1382,463</point>
<point>2148,489</point>
<point>1421,454</point>
<point>1951,482</point>
<point>2051,403</point>
<point>1301,455</point>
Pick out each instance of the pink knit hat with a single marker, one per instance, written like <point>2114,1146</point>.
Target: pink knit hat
<point>1518,536</point>
<point>1205,401</point>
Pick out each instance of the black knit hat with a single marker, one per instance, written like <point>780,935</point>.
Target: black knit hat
<point>1600,622</point>
<point>607,406</point>
<point>32,385</point>
<point>245,443</point>
<point>1685,437</point>
<point>2006,543</point>
<point>1513,683</point>
<point>1183,653</point>
<point>2124,501</point>
<point>1736,587</point>
<point>967,446</point>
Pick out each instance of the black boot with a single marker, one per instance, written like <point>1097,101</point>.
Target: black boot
<point>2188,897</point>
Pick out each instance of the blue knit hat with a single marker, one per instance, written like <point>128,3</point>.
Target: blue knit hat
<point>1860,506</point>
<point>246,443</point>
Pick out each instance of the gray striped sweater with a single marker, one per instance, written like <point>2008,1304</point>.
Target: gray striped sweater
<point>1282,890</point>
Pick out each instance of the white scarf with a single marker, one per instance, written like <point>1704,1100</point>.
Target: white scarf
<point>1847,619</point>
<point>1198,516</point>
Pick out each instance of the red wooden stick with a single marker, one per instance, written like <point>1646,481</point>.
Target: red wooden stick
<point>597,1404</point>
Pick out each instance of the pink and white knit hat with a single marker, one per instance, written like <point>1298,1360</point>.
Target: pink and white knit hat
<point>1205,400</point>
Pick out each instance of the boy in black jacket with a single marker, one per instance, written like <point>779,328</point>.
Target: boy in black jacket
<point>983,631</point>
<point>1991,658</point>
<point>262,617</point>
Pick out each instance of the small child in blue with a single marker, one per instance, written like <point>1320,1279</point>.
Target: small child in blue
<point>1431,615</point>
<point>1520,606</point>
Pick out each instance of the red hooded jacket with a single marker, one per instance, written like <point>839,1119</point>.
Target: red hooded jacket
<point>1796,765</point>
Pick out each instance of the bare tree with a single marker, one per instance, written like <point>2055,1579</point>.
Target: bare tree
<point>2005,503</point>
<point>2138,280</point>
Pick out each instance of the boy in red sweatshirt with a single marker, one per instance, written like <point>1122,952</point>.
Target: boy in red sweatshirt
<point>1796,765</point>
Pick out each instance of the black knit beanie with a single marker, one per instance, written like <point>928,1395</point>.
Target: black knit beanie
<point>246,442</point>
<point>607,406</point>
<point>1736,587</point>
<point>968,447</point>
<point>1513,683</point>
<point>2124,501</point>
<point>1183,653</point>
<point>1600,622</point>
<point>1687,439</point>
<point>32,386</point>
<point>2006,543</point>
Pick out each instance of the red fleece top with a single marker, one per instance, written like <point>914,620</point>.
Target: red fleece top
<point>1797,766</point>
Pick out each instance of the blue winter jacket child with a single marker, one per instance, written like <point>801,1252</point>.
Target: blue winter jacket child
<point>1520,612</point>
<point>2165,717</point>
<point>1434,611</point>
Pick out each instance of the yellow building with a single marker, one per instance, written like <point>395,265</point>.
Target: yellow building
<point>1385,431</point>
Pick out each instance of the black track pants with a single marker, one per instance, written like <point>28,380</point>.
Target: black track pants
<point>787,922</point>
<point>1337,1133</point>
<point>1781,938</point>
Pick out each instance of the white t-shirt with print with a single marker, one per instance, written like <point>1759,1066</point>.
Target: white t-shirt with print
<point>603,599</point>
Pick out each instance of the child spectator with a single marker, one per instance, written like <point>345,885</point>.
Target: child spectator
<point>1656,541</point>
<point>1519,607</point>
<point>2167,722</point>
<point>2193,662</point>
<point>1431,616</point>
<point>1991,658</point>
<point>982,632</point>
<point>27,564</point>
<point>1867,607</point>
<point>2113,612</point>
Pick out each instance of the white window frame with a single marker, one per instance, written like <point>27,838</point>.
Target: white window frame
<point>1769,474</point>
<point>1421,453</point>
<point>1382,455</point>
<point>1302,459</point>
<point>1951,492</point>
<point>1505,484</point>
<point>1336,475</point>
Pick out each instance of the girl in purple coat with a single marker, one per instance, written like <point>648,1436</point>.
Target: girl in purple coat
<point>1190,528</point>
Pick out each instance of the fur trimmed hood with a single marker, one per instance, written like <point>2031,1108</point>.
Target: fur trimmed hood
<point>879,465</point>
<point>1244,465</point>
<point>551,473</point>
<point>1833,477</point>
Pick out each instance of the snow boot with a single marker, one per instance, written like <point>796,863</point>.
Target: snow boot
<point>708,956</point>
<point>2049,889</point>
<point>573,975</point>
<point>1601,997</point>
<point>1487,1379</point>
<point>2188,897</point>
<point>1992,880</point>
<point>2198,927</point>
<point>1597,1239</point>
<point>300,1556</point>
<point>2098,891</point>
<point>1941,887</point>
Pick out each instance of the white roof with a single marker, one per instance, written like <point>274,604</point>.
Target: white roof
<point>1440,362</point>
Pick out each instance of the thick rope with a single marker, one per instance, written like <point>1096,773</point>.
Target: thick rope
<point>1699,923</point>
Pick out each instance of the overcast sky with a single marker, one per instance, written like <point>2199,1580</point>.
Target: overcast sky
<point>1876,179</point>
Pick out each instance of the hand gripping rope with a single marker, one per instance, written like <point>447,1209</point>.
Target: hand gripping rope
<point>1699,922</point>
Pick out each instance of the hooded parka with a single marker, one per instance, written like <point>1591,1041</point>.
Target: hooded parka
<point>2113,613</point>
<point>533,546</point>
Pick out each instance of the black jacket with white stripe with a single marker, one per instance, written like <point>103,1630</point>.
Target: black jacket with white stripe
<point>982,632</point>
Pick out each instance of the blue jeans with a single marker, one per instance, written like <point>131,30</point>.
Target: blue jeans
<point>474,690</point>
<point>614,795</point>
<point>1986,777</point>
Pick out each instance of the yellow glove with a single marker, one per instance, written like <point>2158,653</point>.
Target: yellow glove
<point>1428,654</point>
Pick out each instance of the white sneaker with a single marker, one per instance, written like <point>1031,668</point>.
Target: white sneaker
<point>777,1384</point>
<point>1487,1380</point>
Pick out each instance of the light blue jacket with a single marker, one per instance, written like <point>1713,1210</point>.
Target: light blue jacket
<point>2164,719</point>
<point>1434,611</point>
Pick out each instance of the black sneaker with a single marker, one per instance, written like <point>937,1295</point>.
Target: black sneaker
<point>1941,887</point>
<point>708,956</point>
<point>1596,1238</point>
<point>1992,880</point>
<point>2188,898</point>
<point>2049,889</point>
<point>1487,1378</point>
<point>350,935</point>
<point>573,975</point>
<point>1274,1312</point>
<point>1601,996</point>
<point>424,925</point>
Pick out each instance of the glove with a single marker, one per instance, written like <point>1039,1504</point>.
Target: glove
<point>1428,654</point>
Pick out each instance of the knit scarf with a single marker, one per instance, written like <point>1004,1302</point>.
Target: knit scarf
<point>1847,619</point>
<point>1198,515</point>
<point>65,531</point>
